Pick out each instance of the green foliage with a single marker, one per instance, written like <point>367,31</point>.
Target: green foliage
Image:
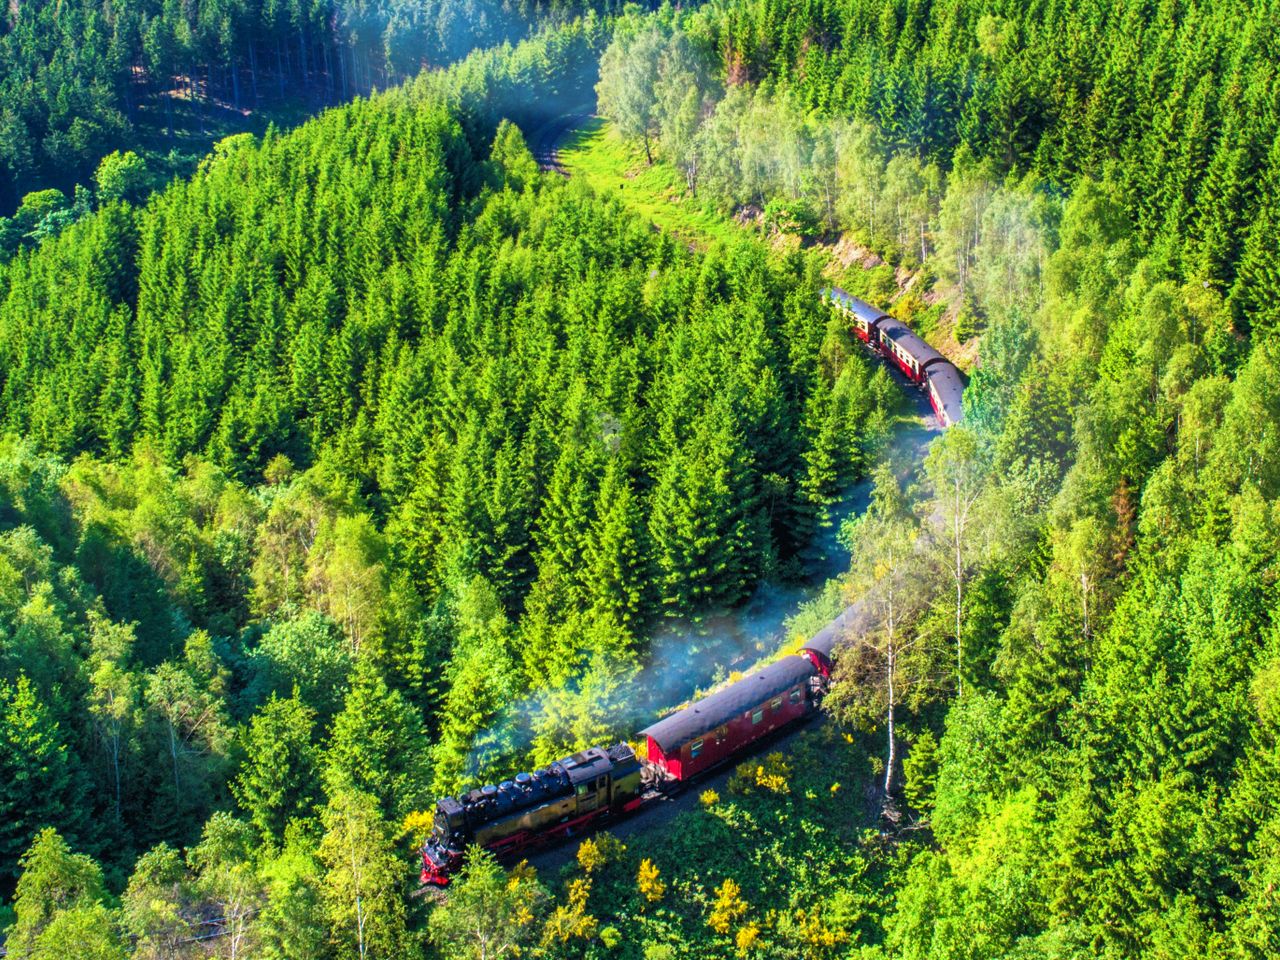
<point>487,915</point>
<point>307,654</point>
<point>278,781</point>
<point>120,176</point>
<point>54,881</point>
<point>516,165</point>
<point>390,454</point>
<point>40,786</point>
<point>377,748</point>
<point>364,878</point>
<point>83,88</point>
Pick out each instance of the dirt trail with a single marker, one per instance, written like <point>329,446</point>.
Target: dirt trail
<point>545,141</point>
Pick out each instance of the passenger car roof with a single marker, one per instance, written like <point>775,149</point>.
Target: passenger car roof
<point>946,382</point>
<point>721,707</point>
<point>859,308</point>
<point>908,342</point>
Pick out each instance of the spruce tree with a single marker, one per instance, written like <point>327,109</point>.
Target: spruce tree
<point>41,785</point>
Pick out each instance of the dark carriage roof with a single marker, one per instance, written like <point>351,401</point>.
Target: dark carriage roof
<point>901,334</point>
<point>946,382</point>
<point>847,624</point>
<point>859,308</point>
<point>721,707</point>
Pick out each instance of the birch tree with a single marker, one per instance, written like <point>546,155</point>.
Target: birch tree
<point>362,885</point>
<point>956,468</point>
<point>628,81</point>
<point>488,916</point>
<point>224,867</point>
<point>885,664</point>
<point>113,693</point>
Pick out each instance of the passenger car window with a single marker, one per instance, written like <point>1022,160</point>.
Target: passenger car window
<point>695,748</point>
<point>796,696</point>
<point>757,716</point>
<point>776,705</point>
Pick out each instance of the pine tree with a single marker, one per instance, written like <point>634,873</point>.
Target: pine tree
<point>278,778</point>
<point>378,747</point>
<point>616,552</point>
<point>41,786</point>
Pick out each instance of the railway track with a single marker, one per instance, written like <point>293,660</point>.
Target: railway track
<point>545,141</point>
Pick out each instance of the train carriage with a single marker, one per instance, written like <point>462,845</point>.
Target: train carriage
<point>862,316</point>
<point>711,730</point>
<point>908,352</point>
<point>946,393</point>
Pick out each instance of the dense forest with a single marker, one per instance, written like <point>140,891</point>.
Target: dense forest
<point>1092,187</point>
<point>898,121</point>
<point>368,463</point>
<point>82,78</point>
<point>361,465</point>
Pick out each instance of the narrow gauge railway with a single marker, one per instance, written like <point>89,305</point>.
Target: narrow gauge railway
<point>600,784</point>
<point>893,340</point>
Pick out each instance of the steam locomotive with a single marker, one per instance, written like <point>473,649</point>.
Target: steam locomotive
<point>597,784</point>
<point>893,340</point>
<point>577,793</point>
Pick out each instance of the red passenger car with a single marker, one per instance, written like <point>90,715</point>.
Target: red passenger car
<point>711,730</point>
<point>908,352</point>
<point>863,317</point>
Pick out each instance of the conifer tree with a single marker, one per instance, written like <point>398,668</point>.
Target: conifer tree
<point>278,779</point>
<point>40,781</point>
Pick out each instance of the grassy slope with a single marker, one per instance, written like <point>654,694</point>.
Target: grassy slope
<point>613,168</point>
<point>595,153</point>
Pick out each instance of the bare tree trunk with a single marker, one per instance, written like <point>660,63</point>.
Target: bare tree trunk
<point>302,57</point>
<point>892,659</point>
<point>253,72</point>
<point>1084,600</point>
<point>173,752</point>
<point>115,765</point>
<point>959,593</point>
<point>893,751</point>
<point>328,74</point>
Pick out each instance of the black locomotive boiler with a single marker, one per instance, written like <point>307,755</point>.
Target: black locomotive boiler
<point>565,798</point>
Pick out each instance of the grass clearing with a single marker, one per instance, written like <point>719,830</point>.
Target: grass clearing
<point>614,168</point>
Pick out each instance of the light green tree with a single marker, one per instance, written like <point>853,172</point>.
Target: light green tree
<point>120,176</point>
<point>628,80</point>
<point>53,880</point>
<point>363,878</point>
<point>488,916</point>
